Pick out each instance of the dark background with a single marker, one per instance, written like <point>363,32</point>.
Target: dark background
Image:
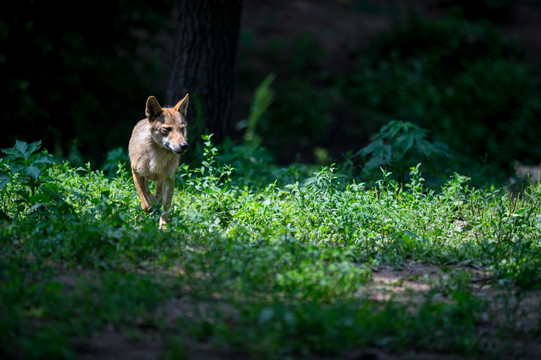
<point>77,75</point>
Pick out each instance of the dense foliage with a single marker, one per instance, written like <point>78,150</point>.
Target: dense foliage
<point>70,77</point>
<point>462,81</point>
<point>70,69</point>
<point>274,265</point>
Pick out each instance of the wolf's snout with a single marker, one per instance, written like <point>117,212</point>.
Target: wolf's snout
<point>181,149</point>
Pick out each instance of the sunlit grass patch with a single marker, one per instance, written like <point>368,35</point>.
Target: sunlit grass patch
<point>283,264</point>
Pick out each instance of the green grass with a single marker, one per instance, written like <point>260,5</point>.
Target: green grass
<point>259,261</point>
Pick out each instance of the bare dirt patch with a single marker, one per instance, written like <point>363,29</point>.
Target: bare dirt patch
<point>113,345</point>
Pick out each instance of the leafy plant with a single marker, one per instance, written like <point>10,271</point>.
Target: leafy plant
<point>399,143</point>
<point>461,81</point>
<point>23,167</point>
<point>23,160</point>
<point>113,159</point>
<point>251,154</point>
<point>263,98</point>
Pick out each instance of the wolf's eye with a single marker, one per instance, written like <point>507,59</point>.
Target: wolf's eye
<point>165,131</point>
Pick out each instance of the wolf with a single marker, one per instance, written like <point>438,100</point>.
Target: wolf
<point>155,147</point>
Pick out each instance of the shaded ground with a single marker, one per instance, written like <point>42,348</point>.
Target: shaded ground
<point>411,284</point>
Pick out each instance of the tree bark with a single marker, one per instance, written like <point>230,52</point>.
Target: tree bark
<point>204,60</point>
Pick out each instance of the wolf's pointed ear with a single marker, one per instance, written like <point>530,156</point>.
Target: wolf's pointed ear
<point>153,109</point>
<point>182,105</point>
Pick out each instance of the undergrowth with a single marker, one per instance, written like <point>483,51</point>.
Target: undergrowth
<point>270,266</point>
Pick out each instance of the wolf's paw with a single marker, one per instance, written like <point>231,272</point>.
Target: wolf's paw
<point>147,208</point>
<point>163,222</point>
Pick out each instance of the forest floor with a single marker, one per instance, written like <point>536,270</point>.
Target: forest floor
<point>410,284</point>
<point>338,27</point>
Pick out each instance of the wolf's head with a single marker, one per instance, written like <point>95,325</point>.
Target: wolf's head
<point>168,125</point>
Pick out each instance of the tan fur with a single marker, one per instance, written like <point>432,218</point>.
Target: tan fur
<point>155,148</point>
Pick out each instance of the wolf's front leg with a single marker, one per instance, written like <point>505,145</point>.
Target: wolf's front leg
<point>160,195</point>
<point>168,190</point>
<point>141,184</point>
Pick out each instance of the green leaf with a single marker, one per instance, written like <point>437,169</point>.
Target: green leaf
<point>22,148</point>
<point>393,128</point>
<point>371,148</point>
<point>4,180</point>
<point>33,171</point>
<point>39,198</point>
<point>11,151</point>
<point>424,148</point>
<point>33,147</point>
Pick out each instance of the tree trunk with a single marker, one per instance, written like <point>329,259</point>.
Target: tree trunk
<point>204,60</point>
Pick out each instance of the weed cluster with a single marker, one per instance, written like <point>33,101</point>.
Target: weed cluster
<point>277,264</point>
